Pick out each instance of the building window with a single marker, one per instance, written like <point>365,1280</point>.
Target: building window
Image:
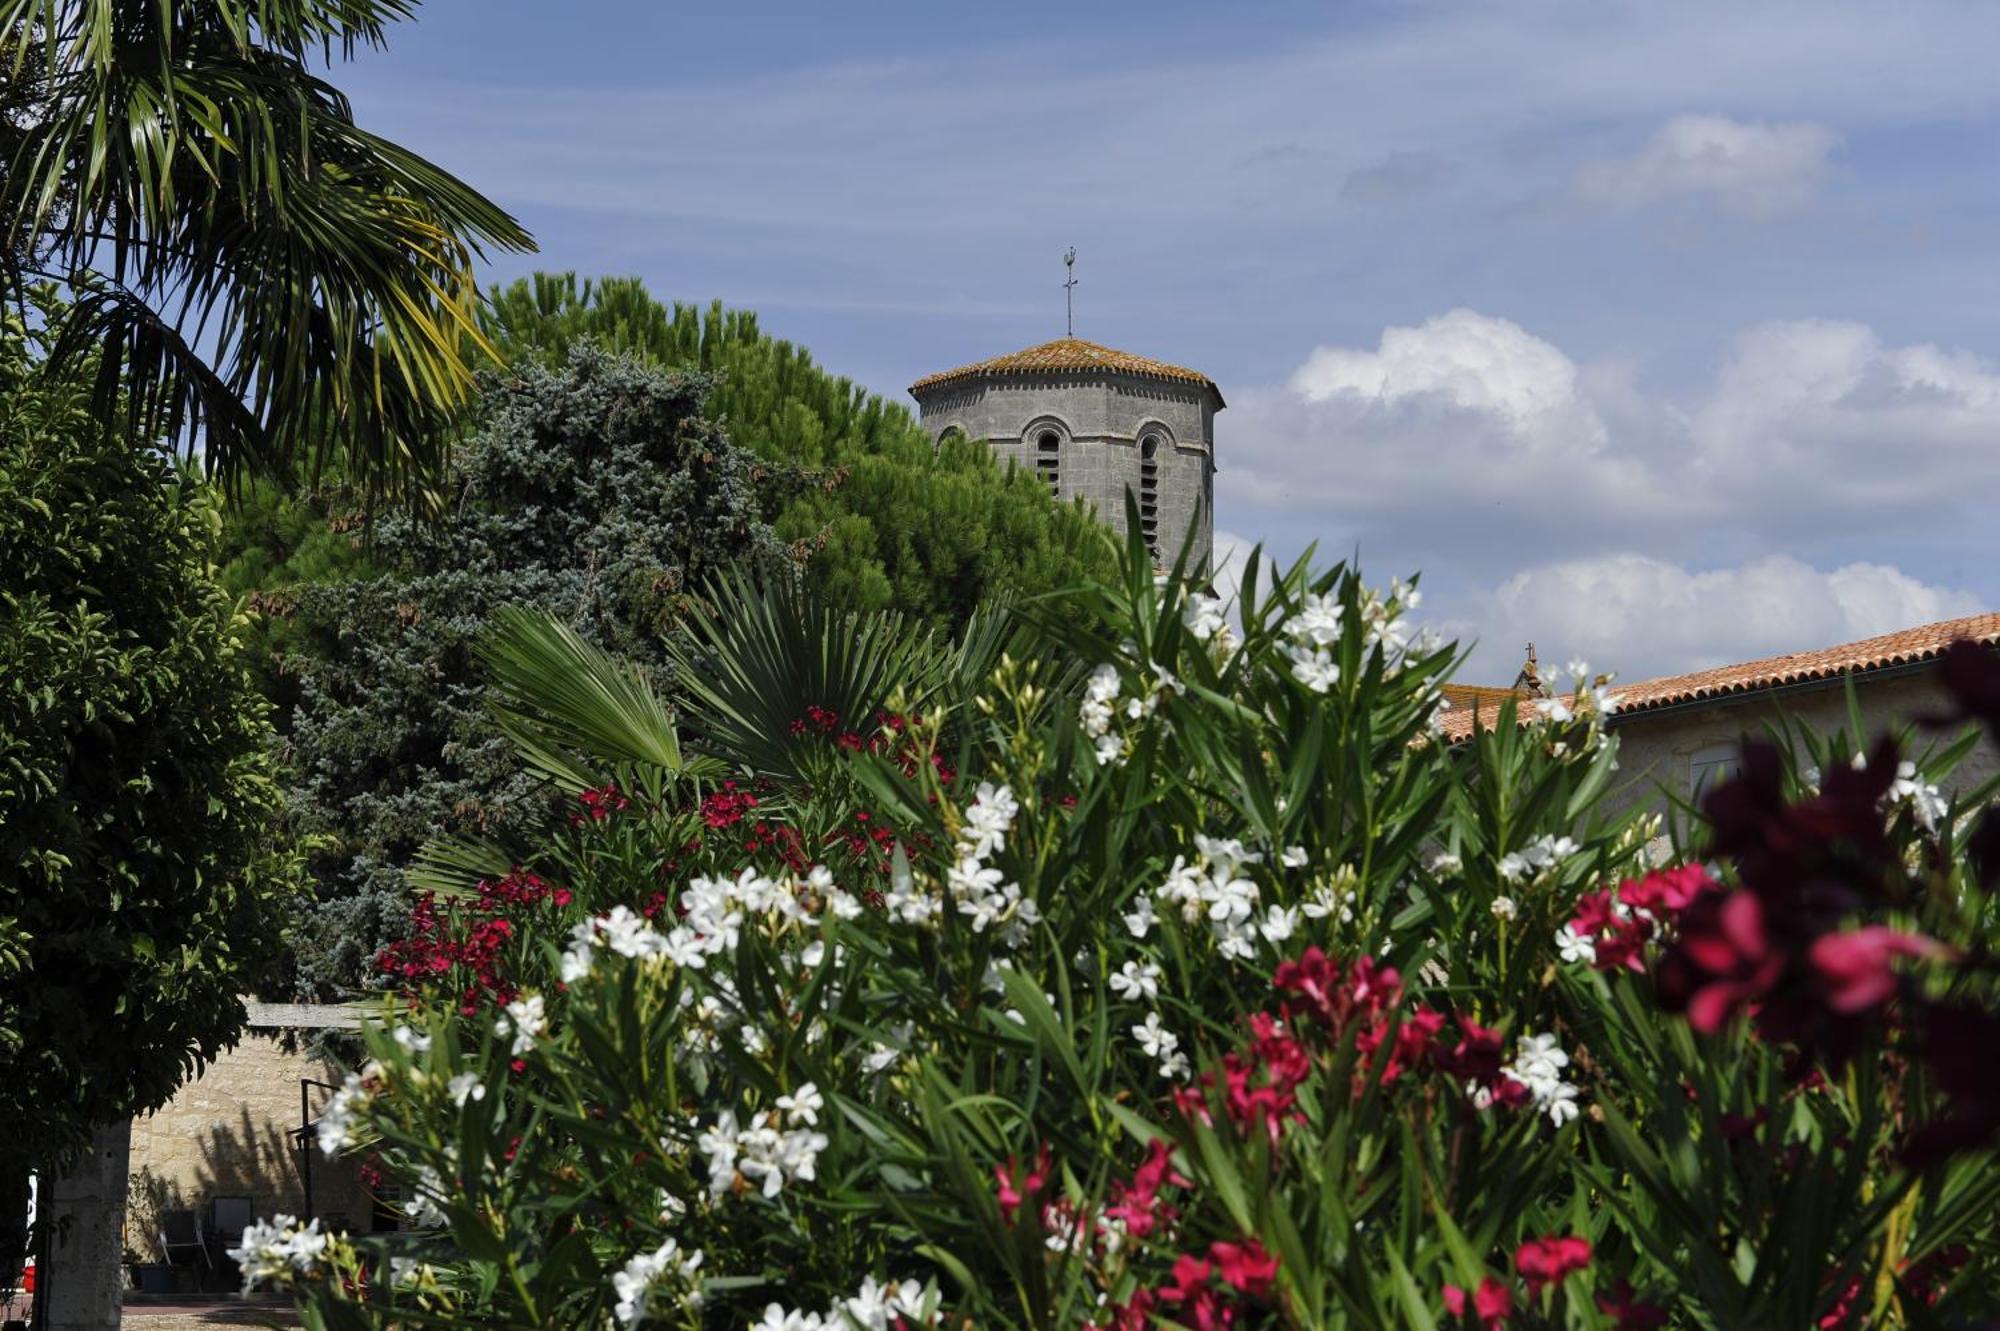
<point>1048,460</point>
<point>1710,767</point>
<point>1149,492</point>
<point>950,435</point>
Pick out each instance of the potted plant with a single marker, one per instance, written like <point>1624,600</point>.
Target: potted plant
<point>151,1277</point>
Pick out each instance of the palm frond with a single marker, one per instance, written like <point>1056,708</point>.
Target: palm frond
<point>570,708</point>
<point>241,237</point>
<point>749,669</point>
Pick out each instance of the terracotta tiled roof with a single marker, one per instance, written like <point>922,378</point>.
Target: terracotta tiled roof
<point>1067,355</point>
<point>1907,647</point>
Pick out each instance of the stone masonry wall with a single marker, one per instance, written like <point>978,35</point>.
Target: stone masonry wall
<point>1656,751</point>
<point>1101,420</point>
<point>227,1133</point>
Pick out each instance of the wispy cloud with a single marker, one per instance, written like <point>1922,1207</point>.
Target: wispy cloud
<point>1760,168</point>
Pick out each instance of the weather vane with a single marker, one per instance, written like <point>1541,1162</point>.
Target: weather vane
<point>1069,292</point>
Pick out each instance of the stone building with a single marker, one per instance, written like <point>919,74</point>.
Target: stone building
<point>1682,733</point>
<point>1094,423</point>
<point>233,1131</point>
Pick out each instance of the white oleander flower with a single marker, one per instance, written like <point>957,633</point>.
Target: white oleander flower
<point>1203,616</point>
<point>877,1306</point>
<point>1926,804</point>
<point>647,1272</point>
<point>1162,1045</point>
<point>273,1251</point>
<point>340,1122</point>
<point>1504,908</point>
<point>802,1105</point>
<point>525,1019</point>
<point>1294,857</point>
<point>1317,624</point>
<point>1140,919</point>
<point>1313,668</point>
<point>1575,948</point>
<point>465,1086</point>
<point>414,1041</point>
<point>1136,980</point>
<point>1280,922</point>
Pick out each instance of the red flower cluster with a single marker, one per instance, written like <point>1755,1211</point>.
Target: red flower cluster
<point>1549,1261</point>
<point>1490,1304</point>
<point>890,736</point>
<point>1216,1290</point>
<point>1137,1205</point>
<point>599,803</point>
<point>1245,1271</point>
<point>1017,1187</point>
<point>1542,1263</point>
<point>1620,924</point>
<point>726,806</point>
<point>1772,943</point>
<point>1627,1311</point>
<point>1323,1003</point>
<point>463,942</point>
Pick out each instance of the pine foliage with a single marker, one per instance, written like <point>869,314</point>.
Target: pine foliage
<point>895,523</point>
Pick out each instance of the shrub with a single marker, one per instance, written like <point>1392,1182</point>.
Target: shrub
<point>1205,985</point>
<point>143,890</point>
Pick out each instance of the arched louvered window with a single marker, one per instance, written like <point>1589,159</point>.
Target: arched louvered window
<point>1048,460</point>
<point>1149,492</point>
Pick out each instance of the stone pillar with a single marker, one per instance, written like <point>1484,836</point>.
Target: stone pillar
<point>86,1212</point>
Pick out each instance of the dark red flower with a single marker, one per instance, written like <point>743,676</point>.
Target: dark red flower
<point>1476,1057</point>
<point>1314,977</point>
<point>1491,1303</point>
<point>1627,1312</point>
<point>1723,960</point>
<point>1245,1267</point>
<point>1853,969</point>
<point>1959,1044</point>
<point>1547,1261</point>
<point>1015,1187</point>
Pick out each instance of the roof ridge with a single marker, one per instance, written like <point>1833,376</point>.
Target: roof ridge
<point>1922,642</point>
<point>1069,355</point>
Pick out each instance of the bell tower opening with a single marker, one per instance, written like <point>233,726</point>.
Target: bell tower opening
<point>1149,492</point>
<point>1048,460</point>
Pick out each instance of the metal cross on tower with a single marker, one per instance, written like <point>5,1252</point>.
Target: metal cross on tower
<point>1069,293</point>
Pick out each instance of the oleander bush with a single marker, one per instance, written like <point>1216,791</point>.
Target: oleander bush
<point>1179,969</point>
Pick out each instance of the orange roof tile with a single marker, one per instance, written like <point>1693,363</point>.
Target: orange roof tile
<point>1907,647</point>
<point>1068,355</point>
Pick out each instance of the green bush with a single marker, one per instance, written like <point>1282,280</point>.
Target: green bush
<point>1202,984</point>
<point>597,492</point>
<point>143,887</point>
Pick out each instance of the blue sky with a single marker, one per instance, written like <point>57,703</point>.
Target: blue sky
<point>1664,334</point>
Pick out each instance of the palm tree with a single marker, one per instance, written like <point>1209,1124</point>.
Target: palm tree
<point>256,279</point>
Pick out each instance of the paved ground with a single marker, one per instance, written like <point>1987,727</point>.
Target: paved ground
<point>194,1313</point>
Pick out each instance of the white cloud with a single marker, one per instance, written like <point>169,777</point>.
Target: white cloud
<point>1468,439</point>
<point>1466,361</point>
<point>1467,428</point>
<point>1757,167</point>
<point>1823,408</point>
<point>1231,554</point>
<point>1645,617</point>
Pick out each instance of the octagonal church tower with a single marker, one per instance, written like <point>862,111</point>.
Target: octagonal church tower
<point>1093,423</point>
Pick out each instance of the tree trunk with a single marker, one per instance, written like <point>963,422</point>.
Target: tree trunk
<point>13,1220</point>
<point>85,1210</point>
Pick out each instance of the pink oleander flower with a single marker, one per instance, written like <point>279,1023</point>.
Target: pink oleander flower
<point>1547,1261</point>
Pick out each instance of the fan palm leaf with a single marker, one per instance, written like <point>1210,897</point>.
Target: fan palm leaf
<point>765,652</point>
<point>257,277</point>
<point>571,709</point>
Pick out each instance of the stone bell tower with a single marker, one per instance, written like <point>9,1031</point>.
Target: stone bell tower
<point>1093,423</point>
